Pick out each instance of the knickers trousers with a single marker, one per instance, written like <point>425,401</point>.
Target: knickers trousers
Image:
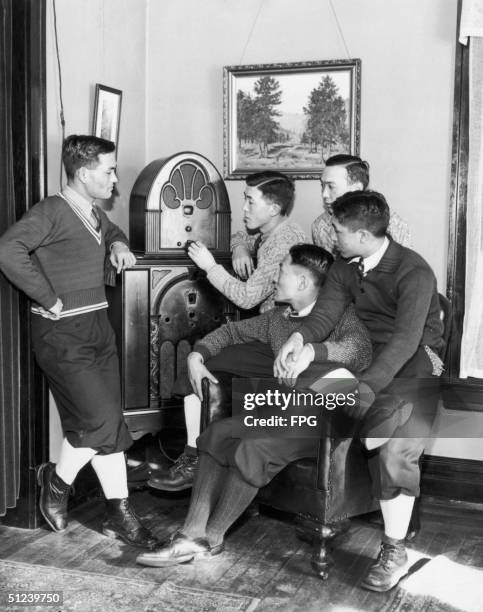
<point>394,467</point>
<point>78,356</point>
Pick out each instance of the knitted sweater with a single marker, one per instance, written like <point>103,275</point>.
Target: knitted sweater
<point>51,253</point>
<point>348,342</point>
<point>323,234</point>
<point>259,287</point>
<point>398,302</point>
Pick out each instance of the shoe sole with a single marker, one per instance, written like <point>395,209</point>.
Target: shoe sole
<point>155,485</point>
<point>383,588</point>
<point>179,560</point>
<point>40,471</point>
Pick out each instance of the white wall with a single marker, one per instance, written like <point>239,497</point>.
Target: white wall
<point>100,41</point>
<point>407,53</point>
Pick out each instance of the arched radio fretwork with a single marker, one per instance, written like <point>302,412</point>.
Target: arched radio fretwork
<point>177,199</point>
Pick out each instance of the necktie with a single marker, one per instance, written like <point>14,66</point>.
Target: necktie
<point>359,265</point>
<point>257,243</point>
<point>95,219</point>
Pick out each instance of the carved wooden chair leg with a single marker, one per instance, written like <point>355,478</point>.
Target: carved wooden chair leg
<point>321,559</point>
<point>322,538</point>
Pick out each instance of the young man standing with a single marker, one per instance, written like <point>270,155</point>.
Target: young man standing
<point>395,295</point>
<point>55,254</point>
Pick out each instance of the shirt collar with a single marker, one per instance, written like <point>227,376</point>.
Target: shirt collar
<point>79,200</point>
<point>301,313</point>
<point>372,261</point>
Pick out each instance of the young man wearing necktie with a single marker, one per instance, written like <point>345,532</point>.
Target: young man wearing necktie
<point>395,295</point>
<point>55,254</point>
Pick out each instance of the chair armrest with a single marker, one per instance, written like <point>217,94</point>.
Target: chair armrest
<point>337,433</point>
<point>216,402</point>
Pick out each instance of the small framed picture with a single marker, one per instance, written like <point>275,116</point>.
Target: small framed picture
<point>107,113</point>
<point>290,117</point>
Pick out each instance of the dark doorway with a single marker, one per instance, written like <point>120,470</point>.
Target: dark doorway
<point>23,400</point>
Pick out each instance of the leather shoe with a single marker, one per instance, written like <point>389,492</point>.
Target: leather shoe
<point>121,522</point>
<point>180,475</point>
<point>54,495</point>
<point>180,549</point>
<point>391,565</point>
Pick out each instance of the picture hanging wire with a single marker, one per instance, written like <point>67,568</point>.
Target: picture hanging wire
<point>62,119</point>
<point>251,31</point>
<point>339,29</point>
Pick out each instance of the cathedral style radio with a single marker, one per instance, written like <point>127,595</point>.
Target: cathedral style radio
<point>167,303</point>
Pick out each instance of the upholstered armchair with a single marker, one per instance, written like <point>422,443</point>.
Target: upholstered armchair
<point>322,493</point>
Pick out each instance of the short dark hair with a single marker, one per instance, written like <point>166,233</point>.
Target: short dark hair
<point>83,151</point>
<point>363,210</point>
<point>357,169</point>
<point>314,258</point>
<point>275,186</point>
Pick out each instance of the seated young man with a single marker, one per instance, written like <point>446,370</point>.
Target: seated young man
<point>344,173</point>
<point>232,469</point>
<point>302,272</point>
<point>269,198</point>
<point>394,293</point>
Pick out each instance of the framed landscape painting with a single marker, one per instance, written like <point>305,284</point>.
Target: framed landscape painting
<point>290,117</point>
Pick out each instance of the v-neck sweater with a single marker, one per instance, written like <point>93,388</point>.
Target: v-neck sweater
<point>52,253</point>
<point>398,302</point>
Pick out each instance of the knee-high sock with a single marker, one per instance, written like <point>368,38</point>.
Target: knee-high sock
<point>207,485</point>
<point>71,460</point>
<point>235,497</point>
<point>192,417</point>
<point>397,514</point>
<point>111,471</point>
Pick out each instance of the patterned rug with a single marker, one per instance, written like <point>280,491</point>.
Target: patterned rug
<point>88,592</point>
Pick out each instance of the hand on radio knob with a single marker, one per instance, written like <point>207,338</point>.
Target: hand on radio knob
<point>201,256</point>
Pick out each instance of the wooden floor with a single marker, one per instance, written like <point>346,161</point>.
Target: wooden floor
<point>263,557</point>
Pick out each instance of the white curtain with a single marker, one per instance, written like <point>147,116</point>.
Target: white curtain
<point>471,32</point>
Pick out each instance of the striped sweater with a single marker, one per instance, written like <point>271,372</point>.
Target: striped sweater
<point>52,252</point>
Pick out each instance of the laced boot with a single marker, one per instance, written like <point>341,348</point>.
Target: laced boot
<point>54,495</point>
<point>180,475</point>
<point>121,522</point>
<point>391,565</point>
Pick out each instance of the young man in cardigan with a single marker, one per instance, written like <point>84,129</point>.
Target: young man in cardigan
<point>55,254</point>
<point>395,295</point>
